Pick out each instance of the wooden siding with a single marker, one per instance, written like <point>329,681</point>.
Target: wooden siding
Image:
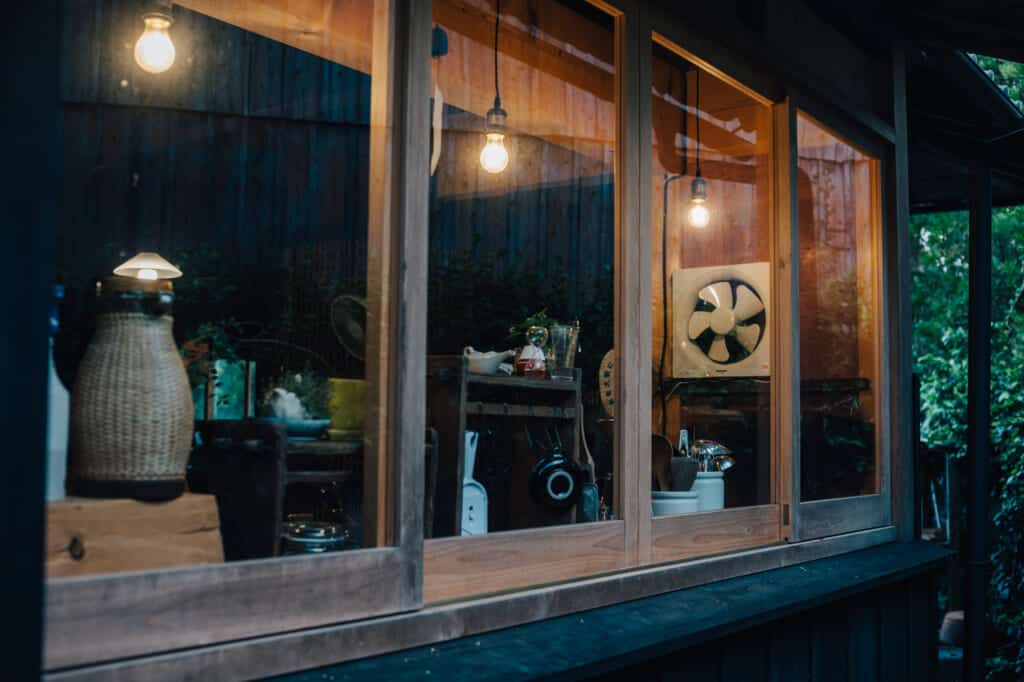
<point>888,634</point>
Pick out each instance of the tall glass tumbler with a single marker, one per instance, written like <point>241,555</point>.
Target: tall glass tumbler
<point>564,341</point>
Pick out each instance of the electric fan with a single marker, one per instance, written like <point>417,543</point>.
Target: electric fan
<point>348,321</point>
<point>721,321</point>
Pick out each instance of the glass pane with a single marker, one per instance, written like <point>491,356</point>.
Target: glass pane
<point>217,159</point>
<point>837,186</point>
<point>711,283</point>
<point>522,235</point>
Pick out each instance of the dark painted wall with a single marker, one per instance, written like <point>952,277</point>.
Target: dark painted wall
<point>885,635</point>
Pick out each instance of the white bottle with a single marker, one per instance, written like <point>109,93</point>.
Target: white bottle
<point>58,404</point>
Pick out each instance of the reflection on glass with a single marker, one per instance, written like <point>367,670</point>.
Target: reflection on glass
<point>521,251</point>
<point>711,277</point>
<point>221,165</point>
<point>837,186</point>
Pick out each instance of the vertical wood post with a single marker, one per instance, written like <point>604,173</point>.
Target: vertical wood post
<point>31,128</point>
<point>978,421</point>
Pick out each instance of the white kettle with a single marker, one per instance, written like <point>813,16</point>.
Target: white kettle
<point>474,495</point>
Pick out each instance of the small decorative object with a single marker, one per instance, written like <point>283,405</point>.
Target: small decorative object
<point>564,342</point>
<point>346,406</point>
<point>285,406</point>
<point>606,382</point>
<point>474,495</point>
<point>58,415</point>
<point>485,363</point>
<point>531,361</point>
<point>131,407</point>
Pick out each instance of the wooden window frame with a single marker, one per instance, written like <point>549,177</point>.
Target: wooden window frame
<point>459,567</point>
<point>201,612</point>
<point>689,536</point>
<point>822,518</point>
<point>106,617</point>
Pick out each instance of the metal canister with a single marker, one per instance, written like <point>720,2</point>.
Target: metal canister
<point>313,537</point>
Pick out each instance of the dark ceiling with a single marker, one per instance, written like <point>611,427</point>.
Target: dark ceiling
<point>956,115</point>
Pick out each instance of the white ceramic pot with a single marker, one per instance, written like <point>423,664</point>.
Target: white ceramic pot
<point>485,363</point>
<point>668,503</point>
<point>710,489</point>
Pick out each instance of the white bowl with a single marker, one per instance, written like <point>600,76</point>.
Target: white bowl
<point>668,503</point>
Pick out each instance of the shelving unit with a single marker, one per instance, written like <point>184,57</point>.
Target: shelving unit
<point>458,398</point>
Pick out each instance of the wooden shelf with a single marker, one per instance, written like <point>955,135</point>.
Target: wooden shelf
<point>525,382</point>
<point>323,448</point>
<point>517,410</point>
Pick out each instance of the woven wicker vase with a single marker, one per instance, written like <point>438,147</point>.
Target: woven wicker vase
<point>131,410</point>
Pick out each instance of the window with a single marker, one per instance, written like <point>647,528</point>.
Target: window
<point>843,473</point>
<point>521,324</point>
<point>226,325</point>
<point>713,317</point>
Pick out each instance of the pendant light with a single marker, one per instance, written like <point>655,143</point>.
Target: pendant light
<point>494,156</point>
<point>154,50</point>
<point>698,215</point>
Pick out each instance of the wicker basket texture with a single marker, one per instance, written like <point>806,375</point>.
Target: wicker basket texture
<point>131,408</point>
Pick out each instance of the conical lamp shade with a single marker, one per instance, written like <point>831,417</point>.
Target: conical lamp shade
<point>147,265</point>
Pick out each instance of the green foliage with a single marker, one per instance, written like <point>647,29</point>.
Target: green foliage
<point>1007,75</point>
<point>940,303</point>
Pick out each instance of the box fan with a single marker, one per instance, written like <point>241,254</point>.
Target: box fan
<point>720,318</point>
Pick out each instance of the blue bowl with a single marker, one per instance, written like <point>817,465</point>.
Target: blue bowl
<point>304,429</point>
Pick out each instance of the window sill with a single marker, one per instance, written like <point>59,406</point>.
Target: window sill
<point>716,592</point>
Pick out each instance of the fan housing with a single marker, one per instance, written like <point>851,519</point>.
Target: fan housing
<point>720,321</point>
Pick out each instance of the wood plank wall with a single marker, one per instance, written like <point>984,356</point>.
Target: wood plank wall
<point>888,634</point>
<point>248,160</point>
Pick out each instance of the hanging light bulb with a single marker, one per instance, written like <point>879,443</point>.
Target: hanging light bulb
<point>698,215</point>
<point>494,156</point>
<point>154,51</point>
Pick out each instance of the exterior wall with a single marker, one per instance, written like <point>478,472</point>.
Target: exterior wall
<point>888,634</point>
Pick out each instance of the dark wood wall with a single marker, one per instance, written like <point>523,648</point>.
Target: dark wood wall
<point>885,635</point>
<point>247,164</point>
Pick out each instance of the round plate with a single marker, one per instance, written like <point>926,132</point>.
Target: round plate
<point>606,382</point>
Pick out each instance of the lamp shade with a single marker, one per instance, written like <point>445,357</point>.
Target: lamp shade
<point>147,265</point>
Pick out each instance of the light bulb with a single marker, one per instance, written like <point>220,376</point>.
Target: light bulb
<point>154,51</point>
<point>146,273</point>
<point>698,215</point>
<point>494,156</point>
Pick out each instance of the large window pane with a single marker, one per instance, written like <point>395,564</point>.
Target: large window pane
<point>234,141</point>
<point>711,283</point>
<point>837,185</point>
<point>521,235</point>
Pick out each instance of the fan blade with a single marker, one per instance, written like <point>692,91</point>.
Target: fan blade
<point>747,303</point>
<point>699,321</point>
<point>747,335</point>
<point>718,294</point>
<point>718,351</point>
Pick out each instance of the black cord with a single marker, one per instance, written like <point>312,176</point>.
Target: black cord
<point>696,115</point>
<point>669,179</point>
<point>497,19</point>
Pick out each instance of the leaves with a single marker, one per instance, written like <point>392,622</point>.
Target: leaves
<point>941,303</point>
